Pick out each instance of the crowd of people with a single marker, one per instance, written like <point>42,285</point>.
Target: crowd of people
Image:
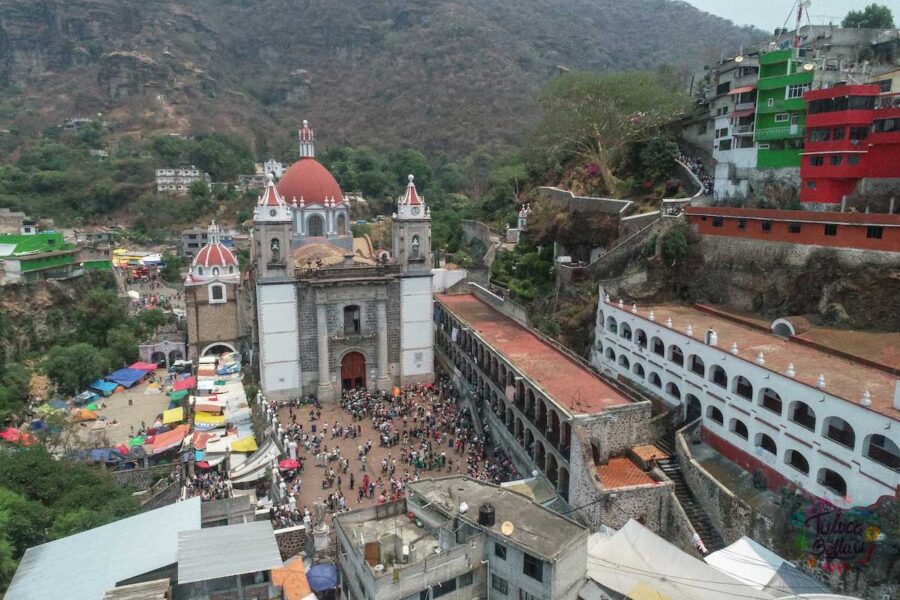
<point>699,170</point>
<point>209,486</point>
<point>423,429</point>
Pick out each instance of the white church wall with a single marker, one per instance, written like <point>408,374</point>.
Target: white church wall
<point>444,279</point>
<point>417,335</point>
<point>279,360</point>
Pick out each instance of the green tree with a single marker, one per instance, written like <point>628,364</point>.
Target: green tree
<point>122,344</point>
<point>594,117</point>
<point>172,271</point>
<point>658,158</point>
<point>874,16</point>
<point>72,368</point>
<point>99,312</point>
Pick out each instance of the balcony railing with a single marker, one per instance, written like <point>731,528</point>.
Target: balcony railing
<point>777,133</point>
<point>742,129</point>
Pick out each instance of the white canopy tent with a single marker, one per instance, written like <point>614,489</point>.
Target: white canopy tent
<point>641,565</point>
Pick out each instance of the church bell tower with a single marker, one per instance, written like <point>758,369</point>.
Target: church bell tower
<point>412,233</point>
<point>272,222</point>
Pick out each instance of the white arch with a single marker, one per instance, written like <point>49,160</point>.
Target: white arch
<point>783,327</point>
<point>214,344</point>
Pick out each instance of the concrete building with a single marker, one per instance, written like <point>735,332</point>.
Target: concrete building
<point>178,181</point>
<point>875,231</point>
<point>330,313</point>
<point>271,166</point>
<point>192,240</point>
<point>216,304</point>
<point>805,415</point>
<point>11,221</point>
<point>475,540</point>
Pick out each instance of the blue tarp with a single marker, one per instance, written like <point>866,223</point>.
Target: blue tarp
<point>126,377</point>
<point>85,398</point>
<point>104,387</point>
<point>59,404</point>
<point>322,577</point>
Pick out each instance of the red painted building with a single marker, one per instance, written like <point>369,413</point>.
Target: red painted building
<point>852,133</point>
<point>833,229</point>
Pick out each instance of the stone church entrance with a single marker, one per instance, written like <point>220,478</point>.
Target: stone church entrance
<point>353,371</point>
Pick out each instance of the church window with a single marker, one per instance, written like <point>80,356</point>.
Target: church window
<point>215,271</point>
<point>352,320</point>
<point>275,247</point>
<point>199,270</point>
<point>415,247</point>
<point>216,293</point>
<point>341,224</point>
<point>230,270</point>
<point>314,226</point>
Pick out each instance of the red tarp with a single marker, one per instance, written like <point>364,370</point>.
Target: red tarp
<point>200,439</point>
<point>743,90</point>
<point>14,436</point>
<point>143,366</point>
<point>185,384</point>
<point>169,439</point>
<point>742,113</point>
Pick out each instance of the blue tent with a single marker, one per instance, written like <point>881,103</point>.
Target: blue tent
<point>126,377</point>
<point>85,397</point>
<point>322,577</point>
<point>58,404</point>
<point>104,387</point>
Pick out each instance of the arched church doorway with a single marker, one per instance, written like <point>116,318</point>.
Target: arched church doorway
<point>217,349</point>
<point>158,357</point>
<point>175,355</point>
<point>353,371</point>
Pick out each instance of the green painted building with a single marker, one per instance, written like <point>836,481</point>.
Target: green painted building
<point>44,255</point>
<point>780,110</point>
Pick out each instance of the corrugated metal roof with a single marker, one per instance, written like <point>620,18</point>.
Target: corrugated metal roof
<point>224,551</point>
<point>83,566</point>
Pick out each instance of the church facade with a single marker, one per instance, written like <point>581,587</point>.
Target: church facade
<point>330,314</point>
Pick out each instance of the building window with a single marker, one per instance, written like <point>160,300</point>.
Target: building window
<point>885,126</point>
<point>743,387</point>
<point>816,161</point>
<point>838,133</point>
<point>838,430</point>
<point>443,588</point>
<point>770,102</point>
<point>500,551</point>
<point>882,450</point>
<point>803,415</point>
<point>835,160</point>
<point>873,232</point>
<point>657,346</point>
<point>676,355</point>
<point>217,293</point>
<point>352,320</point>
<point>415,247</point>
<point>858,134</point>
<point>523,595</point>
<point>655,380</point>
<point>499,584</point>
<point>796,90</point>
<point>718,221</point>
<point>810,185</point>
<point>767,226</point>
<point>315,226</point>
<point>739,428</point>
<point>466,579</point>
<point>793,227</point>
<point>770,400</point>
<point>833,482</point>
<point>742,224</point>
<point>853,159</point>
<point>818,135</point>
<point>830,229</point>
<point>782,118</point>
<point>532,566</point>
<point>884,86</point>
<point>767,443</point>
<point>797,460</point>
<point>718,376</point>
<point>715,415</point>
<point>697,366</point>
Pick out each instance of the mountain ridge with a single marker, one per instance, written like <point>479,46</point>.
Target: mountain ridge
<point>444,75</point>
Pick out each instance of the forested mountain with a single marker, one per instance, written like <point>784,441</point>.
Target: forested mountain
<point>442,75</point>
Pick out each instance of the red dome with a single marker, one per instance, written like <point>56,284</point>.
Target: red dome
<point>215,256</point>
<point>309,180</point>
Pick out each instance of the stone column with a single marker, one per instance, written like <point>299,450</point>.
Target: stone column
<point>383,382</point>
<point>325,389</point>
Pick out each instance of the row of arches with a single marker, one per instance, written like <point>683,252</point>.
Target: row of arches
<point>875,447</point>
<point>315,225</point>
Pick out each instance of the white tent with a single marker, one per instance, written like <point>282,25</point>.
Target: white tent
<point>643,566</point>
<point>761,568</point>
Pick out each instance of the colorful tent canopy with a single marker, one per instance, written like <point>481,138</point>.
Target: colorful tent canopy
<point>205,418</point>
<point>46,409</point>
<point>247,444</point>
<point>82,414</point>
<point>169,439</point>
<point>288,463</point>
<point>104,387</point>
<point>184,384</point>
<point>85,397</point>
<point>14,436</point>
<point>59,404</point>
<point>136,441</point>
<point>292,579</point>
<point>200,439</point>
<point>173,415</point>
<point>126,377</point>
<point>143,366</point>
<point>179,395</point>
<point>322,577</point>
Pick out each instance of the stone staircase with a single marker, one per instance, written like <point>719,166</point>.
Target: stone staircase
<point>695,513</point>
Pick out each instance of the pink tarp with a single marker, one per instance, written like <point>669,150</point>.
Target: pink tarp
<point>184,384</point>
<point>169,439</point>
<point>143,366</point>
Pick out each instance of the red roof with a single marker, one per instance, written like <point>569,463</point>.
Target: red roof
<point>742,113</point>
<point>802,216</point>
<point>743,90</point>
<point>215,255</point>
<point>309,180</point>
<point>412,196</point>
<point>565,381</point>
<point>271,197</point>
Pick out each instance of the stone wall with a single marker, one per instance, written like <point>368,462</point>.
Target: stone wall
<point>617,430</point>
<point>292,541</point>
<point>509,308</point>
<point>590,203</point>
<point>143,479</point>
<point>731,516</point>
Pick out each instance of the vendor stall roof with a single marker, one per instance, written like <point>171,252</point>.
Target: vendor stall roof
<point>226,551</point>
<point>104,387</point>
<point>184,384</point>
<point>126,377</point>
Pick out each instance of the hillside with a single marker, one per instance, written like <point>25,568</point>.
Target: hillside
<point>440,75</point>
